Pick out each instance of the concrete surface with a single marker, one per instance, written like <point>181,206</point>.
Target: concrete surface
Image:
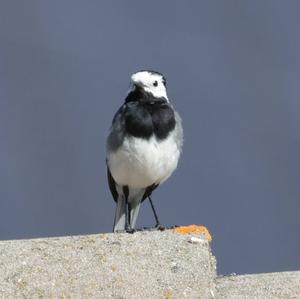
<point>141,265</point>
<point>282,285</point>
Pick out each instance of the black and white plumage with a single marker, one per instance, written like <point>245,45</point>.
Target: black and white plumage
<point>143,146</point>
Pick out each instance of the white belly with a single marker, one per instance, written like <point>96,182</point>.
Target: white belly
<point>139,163</point>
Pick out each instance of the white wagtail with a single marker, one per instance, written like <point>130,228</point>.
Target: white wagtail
<point>143,147</point>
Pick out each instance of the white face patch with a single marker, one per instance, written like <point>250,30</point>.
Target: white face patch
<point>150,82</point>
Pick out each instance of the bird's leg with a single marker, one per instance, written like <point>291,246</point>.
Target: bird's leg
<point>126,214</point>
<point>157,225</point>
<point>128,227</point>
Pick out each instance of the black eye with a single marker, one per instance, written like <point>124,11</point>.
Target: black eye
<point>155,83</point>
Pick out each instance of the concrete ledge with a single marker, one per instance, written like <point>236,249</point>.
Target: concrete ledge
<point>142,265</point>
<point>281,285</point>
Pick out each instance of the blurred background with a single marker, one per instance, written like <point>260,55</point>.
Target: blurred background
<point>233,73</point>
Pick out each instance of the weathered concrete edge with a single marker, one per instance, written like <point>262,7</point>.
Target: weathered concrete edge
<point>263,285</point>
<point>161,264</point>
<point>275,285</point>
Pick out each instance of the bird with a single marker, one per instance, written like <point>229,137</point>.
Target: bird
<point>143,147</point>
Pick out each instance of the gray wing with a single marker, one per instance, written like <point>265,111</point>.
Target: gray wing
<point>117,133</point>
<point>178,131</point>
<point>114,141</point>
<point>112,185</point>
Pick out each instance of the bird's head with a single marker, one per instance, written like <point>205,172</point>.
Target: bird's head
<point>150,82</point>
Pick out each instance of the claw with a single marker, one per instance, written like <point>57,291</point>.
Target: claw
<point>160,227</point>
<point>130,230</point>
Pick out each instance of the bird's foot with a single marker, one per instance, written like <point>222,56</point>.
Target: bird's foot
<point>160,227</point>
<point>130,230</point>
<point>157,227</point>
<point>172,226</point>
<point>154,228</point>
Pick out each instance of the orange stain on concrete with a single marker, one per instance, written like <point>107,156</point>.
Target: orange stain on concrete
<point>194,229</point>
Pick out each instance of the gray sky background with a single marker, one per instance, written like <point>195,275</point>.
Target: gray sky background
<point>233,72</point>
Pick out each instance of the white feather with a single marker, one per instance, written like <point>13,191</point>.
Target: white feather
<point>139,163</point>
